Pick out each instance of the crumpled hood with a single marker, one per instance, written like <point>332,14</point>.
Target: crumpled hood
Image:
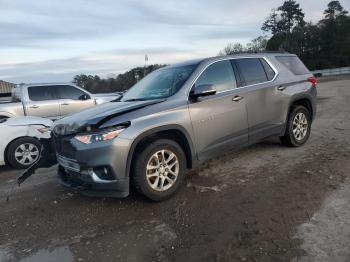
<point>97,115</point>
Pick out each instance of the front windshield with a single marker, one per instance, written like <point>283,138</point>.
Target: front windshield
<point>160,84</point>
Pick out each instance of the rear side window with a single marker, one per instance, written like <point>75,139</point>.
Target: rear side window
<point>220,75</point>
<point>251,70</point>
<point>40,93</point>
<point>269,71</point>
<point>294,64</point>
<point>69,92</point>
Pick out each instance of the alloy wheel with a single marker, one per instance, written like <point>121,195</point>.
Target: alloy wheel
<point>300,126</point>
<point>26,154</point>
<point>162,170</point>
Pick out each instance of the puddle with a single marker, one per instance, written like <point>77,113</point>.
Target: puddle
<point>57,254</point>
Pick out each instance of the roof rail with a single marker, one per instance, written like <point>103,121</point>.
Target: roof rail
<point>263,52</point>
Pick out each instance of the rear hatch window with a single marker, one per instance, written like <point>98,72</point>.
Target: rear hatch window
<point>294,64</point>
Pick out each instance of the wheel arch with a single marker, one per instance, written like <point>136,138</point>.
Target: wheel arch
<point>173,132</point>
<point>303,101</point>
<point>4,114</point>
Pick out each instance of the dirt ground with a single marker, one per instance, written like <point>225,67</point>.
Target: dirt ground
<point>263,203</point>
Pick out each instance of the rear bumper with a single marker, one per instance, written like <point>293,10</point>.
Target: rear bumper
<point>97,169</point>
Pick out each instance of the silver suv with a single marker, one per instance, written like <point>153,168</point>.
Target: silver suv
<point>181,115</point>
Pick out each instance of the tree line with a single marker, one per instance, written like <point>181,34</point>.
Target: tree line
<point>325,44</point>
<point>120,83</point>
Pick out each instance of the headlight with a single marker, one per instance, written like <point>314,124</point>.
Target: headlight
<point>99,136</point>
<point>44,130</point>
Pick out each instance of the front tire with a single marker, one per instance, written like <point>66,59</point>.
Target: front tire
<point>298,127</point>
<point>159,169</point>
<point>23,152</point>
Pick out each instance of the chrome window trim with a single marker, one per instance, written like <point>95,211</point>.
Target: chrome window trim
<point>236,88</point>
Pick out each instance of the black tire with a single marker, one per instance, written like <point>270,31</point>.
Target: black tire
<point>139,179</point>
<point>289,138</point>
<point>10,152</point>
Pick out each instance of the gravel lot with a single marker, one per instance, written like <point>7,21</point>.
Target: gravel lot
<point>263,203</point>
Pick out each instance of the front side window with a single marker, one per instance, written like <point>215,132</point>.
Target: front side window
<point>69,92</point>
<point>40,93</point>
<point>220,75</point>
<point>161,83</point>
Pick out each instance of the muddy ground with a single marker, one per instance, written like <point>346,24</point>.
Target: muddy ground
<point>263,203</point>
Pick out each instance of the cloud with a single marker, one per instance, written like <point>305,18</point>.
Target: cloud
<point>57,39</point>
<point>103,64</point>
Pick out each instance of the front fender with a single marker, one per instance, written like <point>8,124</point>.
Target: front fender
<point>150,132</point>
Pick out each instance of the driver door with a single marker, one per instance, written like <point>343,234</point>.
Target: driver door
<point>219,121</point>
<point>73,100</point>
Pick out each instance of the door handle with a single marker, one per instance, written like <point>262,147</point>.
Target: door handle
<point>34,106</point>
<point>281,88</point>
<point>237,98</point>
<point>65,104</point>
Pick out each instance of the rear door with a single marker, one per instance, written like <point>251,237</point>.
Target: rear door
<point>263,98</point>
<point>72,99</point>
<point>42,102</point>
<point>219,121</point>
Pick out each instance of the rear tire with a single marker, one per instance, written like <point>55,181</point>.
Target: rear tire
<point>159,169</point>
<point>23,152</point>
<point>298,127</point>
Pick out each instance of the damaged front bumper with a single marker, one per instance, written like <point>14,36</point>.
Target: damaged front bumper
<point>87,184</point>
<point>95,169</point>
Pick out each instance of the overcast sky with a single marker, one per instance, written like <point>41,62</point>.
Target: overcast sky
<point>53,40</point>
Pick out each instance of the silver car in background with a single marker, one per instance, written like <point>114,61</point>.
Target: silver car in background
<point>180,116</point>
<point>51,100</point>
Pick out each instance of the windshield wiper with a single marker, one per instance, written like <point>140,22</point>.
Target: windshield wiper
<point>117,99</point>
<point>134,99</point>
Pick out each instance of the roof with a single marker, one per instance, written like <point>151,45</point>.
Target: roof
<point>46,84</point>
<point>6,87</point>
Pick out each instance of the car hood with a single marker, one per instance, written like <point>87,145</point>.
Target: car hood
<point>27,120</point>
<point>96,116</point>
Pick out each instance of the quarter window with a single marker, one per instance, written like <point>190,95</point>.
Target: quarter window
<point>220,75</point>
<point>251,70</point>
<point>269,71</point>
<point>40,93</point>
<point>294,64</point>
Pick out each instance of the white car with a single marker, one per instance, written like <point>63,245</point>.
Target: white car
<point>19,140</point>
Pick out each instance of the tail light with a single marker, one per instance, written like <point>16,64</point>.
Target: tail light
<point>313,81</point>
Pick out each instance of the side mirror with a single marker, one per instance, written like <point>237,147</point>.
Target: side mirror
<point>84,97</point>
<point>202,90</point>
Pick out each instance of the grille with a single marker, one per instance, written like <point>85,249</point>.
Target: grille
<point>63,145</point>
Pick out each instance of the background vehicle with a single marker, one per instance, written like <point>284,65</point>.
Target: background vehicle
<point>19,143</point>
<point>50,100</point>
<point>181,115</point>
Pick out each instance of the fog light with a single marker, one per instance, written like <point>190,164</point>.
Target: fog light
<point>104,173</point>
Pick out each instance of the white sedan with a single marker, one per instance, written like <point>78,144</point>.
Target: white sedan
<point>19,140</point>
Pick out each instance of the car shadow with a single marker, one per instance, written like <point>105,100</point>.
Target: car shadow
<point>6,168</point>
